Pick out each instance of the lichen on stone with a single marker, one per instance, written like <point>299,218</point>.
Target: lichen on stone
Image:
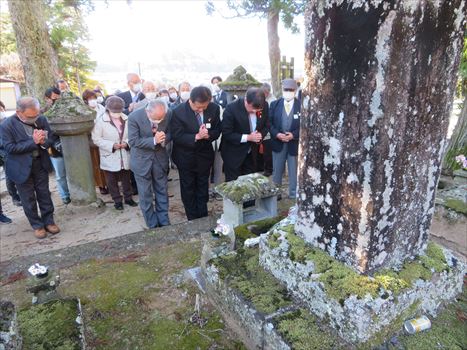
<point>457,205</point>
<point>243,232</point>
<point>341,281</point>
<point>247,187</point>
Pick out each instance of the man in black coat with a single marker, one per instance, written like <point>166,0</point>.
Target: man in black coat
<point>244,126</point>
<point>26,136</point>
<point>194,125</point>
<point>134,94</point>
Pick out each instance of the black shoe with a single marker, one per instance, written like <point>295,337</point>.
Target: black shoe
<point>131,203</point>
<point>103,190</point>
<point>279,197</point>
<point>17,202</point>
<point>135,192</point>
<point>118,206</point>
<point>267,173</point>
<point>5,219</point>
<point>66,200</point>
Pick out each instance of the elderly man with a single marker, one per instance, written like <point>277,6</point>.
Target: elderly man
<point>26,136</point>
<point>148,135</point>
<point>285,130</point>
<point>184,90</point>
<point>194,125</point>
<point>150,92</point>
<point>134,94</point>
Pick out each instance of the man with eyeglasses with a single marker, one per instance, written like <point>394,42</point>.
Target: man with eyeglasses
<point>244,125</point>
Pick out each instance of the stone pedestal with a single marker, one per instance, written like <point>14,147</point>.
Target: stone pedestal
<point>44,288</point>
<point>248,188</point>
<point>376,105</point>
<point>72,120</point>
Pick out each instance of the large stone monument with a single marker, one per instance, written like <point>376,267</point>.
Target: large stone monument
<point>380,79</point>
<point>72,120</point>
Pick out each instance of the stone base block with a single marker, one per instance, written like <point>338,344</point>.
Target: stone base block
<point>359,307</point>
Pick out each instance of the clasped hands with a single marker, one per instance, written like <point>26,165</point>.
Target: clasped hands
<point>203,133</point>
<point>122,145</point>
<point>285,137</point>
<point>39,136</point>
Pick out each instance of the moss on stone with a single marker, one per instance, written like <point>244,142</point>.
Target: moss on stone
<point>340,281</point>
<point>241,271</point>
<point>457,205</point>
<point>246,188</point>
<point>242,232</point>
<point>50,326</point>
<point>301,330</point>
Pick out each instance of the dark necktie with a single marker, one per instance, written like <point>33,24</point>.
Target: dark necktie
<point>198,118</point>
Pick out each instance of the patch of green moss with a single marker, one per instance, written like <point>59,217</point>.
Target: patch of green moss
<point>50,326</point>
<point>457,205</point>
<point>242,271</point>
<point>242,232</point>
<point>340,281</point>
<point>301,330</point>
<point>273,240</point>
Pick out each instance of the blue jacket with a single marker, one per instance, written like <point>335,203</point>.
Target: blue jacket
<point>275,118</point>
<point>19,146</point>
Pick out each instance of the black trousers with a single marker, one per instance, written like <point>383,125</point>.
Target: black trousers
<point>112,178</point>
<point>247,167</point>
<point>36,191</point>
<point>194,189</point>
<point>267,157</point>
<point>11,187</point>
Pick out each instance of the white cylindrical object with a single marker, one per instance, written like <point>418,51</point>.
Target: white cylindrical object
<point>416,325</point>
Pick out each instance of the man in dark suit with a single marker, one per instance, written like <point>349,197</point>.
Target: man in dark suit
<point>26,136</point>
<point>148,134</point>
<point>244,125</point>
<point>285,130</point>
<point>219,95</point>
<point>195,124</point>
<point>134,94</point>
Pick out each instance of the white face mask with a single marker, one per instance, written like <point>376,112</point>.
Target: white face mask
<point>173,96</point>
<point>288,95</point>
<point>185,95</point>
<point>136,88</point>
<point>100,99</point>
<point>215,88</point>
<point>92,103</point>
<point>150,95</point>
<point>165,99</point>
<point>2,115</point>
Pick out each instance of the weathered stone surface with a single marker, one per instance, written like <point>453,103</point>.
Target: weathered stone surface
<point>9,337</point>
<point>72,120</point>
<point>380,78</point>
<point>358,318</point>
<point>238,82</point>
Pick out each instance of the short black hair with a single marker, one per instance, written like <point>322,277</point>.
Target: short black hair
<point>255,97</point>
<point>49,91</point>
<point>216,77</point>
<point>200,94</point>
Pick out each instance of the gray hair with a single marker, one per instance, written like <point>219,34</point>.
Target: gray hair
<point>266,86</point>
<point>27,102</point>
<point>157,102</point>
<point>184,83</point>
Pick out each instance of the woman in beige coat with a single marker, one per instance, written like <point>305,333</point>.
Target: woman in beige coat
<point>110,134</point>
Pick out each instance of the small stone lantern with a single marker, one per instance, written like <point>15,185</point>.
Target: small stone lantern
<point>238,83</point>
<point>247,188</point>
<point>72,120</point>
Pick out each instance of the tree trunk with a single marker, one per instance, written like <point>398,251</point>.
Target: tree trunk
<point>458,141</point>
<point>376,110</point>
<point>34,48</point>
<point>274,50</point>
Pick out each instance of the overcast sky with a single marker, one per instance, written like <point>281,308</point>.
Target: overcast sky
<point>156,31</point>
